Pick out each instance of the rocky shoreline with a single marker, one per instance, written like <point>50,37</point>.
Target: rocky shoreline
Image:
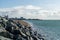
<point>18,30</point>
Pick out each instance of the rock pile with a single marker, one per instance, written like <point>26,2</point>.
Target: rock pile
<point>16,31</point>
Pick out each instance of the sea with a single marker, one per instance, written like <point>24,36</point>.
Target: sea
<point>50,29</point>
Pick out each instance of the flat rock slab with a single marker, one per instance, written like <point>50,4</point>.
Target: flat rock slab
<point>23,23</point>
<point>3,38</point>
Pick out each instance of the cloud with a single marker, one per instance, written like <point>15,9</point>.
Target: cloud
<point>30,11</point>
<point>32,7</point>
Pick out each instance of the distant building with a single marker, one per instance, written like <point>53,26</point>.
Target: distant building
<point>22,18</point>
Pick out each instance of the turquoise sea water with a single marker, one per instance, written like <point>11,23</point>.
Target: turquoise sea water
<point>48,28</point>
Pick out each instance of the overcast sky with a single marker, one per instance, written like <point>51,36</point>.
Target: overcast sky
<point>38,9</point>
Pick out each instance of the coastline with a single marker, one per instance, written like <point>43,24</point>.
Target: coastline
<point>19,29</point>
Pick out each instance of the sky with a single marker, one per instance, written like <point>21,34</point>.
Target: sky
<point>37,9</point>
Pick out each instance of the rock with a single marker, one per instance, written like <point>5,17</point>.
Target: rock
<point>18,29</point>
<point>5,34</point>
<point>4,38</point>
